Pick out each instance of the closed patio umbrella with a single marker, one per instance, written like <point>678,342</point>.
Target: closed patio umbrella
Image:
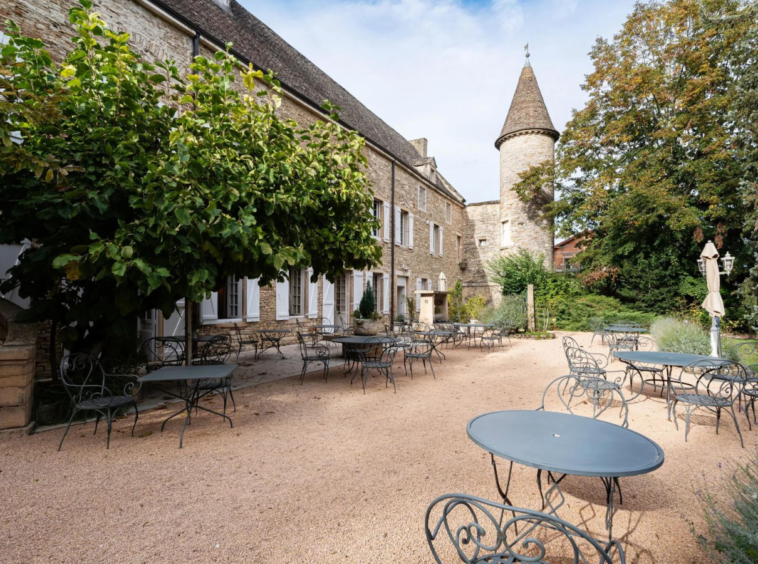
<point>713,303</point>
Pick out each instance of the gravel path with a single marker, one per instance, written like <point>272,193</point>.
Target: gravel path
<point>321,473</point>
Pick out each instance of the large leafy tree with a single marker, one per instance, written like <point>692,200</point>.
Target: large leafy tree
<point>138,187</point>
<point>648,163</point>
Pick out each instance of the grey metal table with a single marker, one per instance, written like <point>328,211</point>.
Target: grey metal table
<point>666,359</point>
<point>434,335</point>
<point>564,444</point>
<point>362,340</point>
<point>188,374</point>
<point>273,337</point>
<point>470,326</point>
<point>623,329</point>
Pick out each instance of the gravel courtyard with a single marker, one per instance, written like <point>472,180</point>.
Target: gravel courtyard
<point>322,473</point>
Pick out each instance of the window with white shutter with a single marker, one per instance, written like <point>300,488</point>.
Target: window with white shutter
<point>253,305</point>
<point>386,226</point>
<point>283,299</point>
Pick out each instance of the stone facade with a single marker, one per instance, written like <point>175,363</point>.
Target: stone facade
<point>528,228</point>
<point>441,213</point>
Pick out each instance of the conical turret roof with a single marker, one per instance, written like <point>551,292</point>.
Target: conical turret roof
<point>528,111</point>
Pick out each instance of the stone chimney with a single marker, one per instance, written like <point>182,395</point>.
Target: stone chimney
<point>421,146</point>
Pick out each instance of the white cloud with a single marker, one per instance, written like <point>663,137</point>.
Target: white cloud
<point>447,69</point>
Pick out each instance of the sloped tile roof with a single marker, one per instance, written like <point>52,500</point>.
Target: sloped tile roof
<point>259,44</point>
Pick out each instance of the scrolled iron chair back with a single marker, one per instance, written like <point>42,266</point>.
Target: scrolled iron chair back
<point>160,352</point>
<point>746,354</point>
<point>719,379</point>
<point>83,378</point>
<point>216,351</point>
<point>582,363</point>
<point>569,343</point>
<point>472,530</point>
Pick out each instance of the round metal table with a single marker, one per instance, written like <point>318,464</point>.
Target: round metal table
<point>565,444</point>
<point>666,359</point>
<point>361,340</point>
<point>470,326</point>
<point>624,329</point>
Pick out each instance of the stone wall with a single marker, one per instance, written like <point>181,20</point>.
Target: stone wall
<point>158,39</point>
<point>17,360</point>
<point>529,229</point>
<point>482,224</point>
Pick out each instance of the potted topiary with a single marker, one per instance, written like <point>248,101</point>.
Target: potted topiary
<point>367,321</point>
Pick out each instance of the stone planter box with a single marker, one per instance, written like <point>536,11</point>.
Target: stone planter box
<point>367,327</point>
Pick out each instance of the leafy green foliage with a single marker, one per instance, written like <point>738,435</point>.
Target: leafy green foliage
<point>455,305</point>
<point>475,307</point>
<point>509,314</point>
<point>649,164</point>
<point>571,305</point>
<point>515,271</point>
<point>732,516</point>
<point>367,304</point>
<point>674,335</point>
<point>143,204</point>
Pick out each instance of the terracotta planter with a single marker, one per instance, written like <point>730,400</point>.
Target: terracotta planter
<point>367,327</point>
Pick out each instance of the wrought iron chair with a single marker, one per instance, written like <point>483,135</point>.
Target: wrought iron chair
<point>719,384</point>
<point>493,336</point>
<point>597,326</point>
<point>378,356</point>
<point>310,353</point>
<point>214,352</point>
<point>158,352</point>
<point>251,340</point>
<point>91,389</point>
<point>590,366</point>
<point>419,349</point>
<point>747,355</point>
<point>602,394</point>
<point>472,530</point>
<point>307,332</point>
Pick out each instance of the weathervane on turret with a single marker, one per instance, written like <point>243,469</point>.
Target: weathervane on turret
<point>526,48</point>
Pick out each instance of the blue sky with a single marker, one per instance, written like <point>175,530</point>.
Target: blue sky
<point>447,69</point>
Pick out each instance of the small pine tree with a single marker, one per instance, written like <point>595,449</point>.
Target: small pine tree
<point>366,307</point>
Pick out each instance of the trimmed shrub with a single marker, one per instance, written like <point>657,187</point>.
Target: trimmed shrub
<point>367,304</point>
<point>510,314</point>
<point>673,335</point>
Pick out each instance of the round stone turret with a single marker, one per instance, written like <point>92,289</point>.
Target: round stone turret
<point>527,139</point>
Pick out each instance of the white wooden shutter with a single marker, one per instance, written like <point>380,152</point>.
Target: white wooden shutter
<point>283,299</point>
<point>10,255</point>
<point>431,237</point>
<point>442,237</point>
<point>386,224</point>
<point>253,312</point>
<point>386,294</point>
<point>312,296</point>
<point>418,296</point>
<point>397,225</point>
<point>410,231</point>
<point>328,307</point>
<point>357,288</point>
<point>209,308</point>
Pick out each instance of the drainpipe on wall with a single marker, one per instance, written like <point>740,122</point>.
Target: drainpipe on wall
<point>392,249</point>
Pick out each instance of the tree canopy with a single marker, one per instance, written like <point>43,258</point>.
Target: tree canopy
<point>648,164</point>
<point>139,187</point>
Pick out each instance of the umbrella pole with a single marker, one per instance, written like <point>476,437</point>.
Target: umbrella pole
<point>187,332</point>
<point>715,336</point>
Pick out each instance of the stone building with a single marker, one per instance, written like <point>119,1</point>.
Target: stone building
<point>437,239</point>
<point>500,227</point>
